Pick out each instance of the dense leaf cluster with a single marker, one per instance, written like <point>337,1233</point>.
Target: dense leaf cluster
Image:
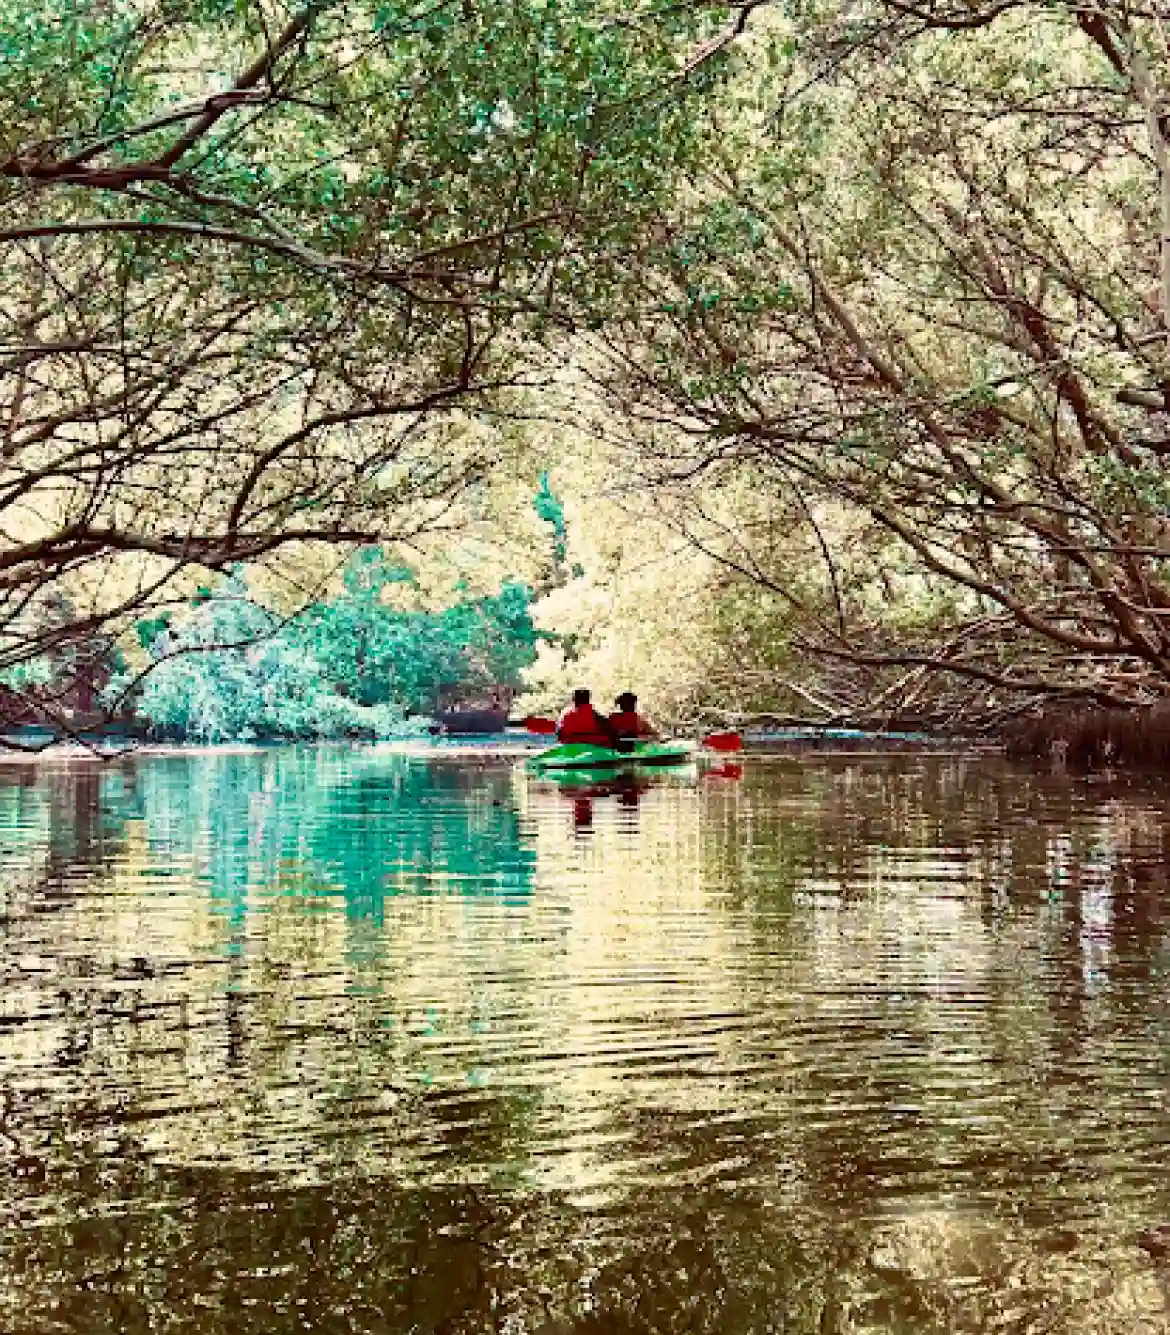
<point>354,665</point>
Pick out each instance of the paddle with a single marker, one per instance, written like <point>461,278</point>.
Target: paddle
<point>715,741</point>
<point>723,741</point>
<point>545,726</point>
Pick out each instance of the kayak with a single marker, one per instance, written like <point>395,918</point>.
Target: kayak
<point>581,755</point>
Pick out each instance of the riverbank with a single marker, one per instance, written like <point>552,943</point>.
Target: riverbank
<point>771,744</point>
<point>1093,737</point>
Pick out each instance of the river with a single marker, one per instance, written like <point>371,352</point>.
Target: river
<point>340,1040</point>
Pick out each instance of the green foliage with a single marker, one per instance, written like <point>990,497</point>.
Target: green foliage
<point>276,274</point>
<point>150,628</point>
<point>549,507</point>
<point>232,671</point>
<point>387,126</point>
<point>354,665</point>
<point>23,676</point>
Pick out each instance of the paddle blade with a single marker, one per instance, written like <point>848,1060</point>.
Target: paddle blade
<point>545,726</point>
<point>723,741</point>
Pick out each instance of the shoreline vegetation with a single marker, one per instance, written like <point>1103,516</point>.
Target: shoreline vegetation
<point>1077,740</point>
<point>368,663</point>
<point>1093,738</point>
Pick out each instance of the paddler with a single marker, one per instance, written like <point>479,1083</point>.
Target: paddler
<point>627,722</point>
<point>582,723</point>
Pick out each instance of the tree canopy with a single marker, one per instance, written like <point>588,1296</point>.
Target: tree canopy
<point>861,309</point>
<point>276,276</point>
<point>901,361</point>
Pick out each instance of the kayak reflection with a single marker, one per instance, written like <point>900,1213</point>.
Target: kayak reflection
<point>626,788</point>
<point>582,788</point>
<point>626,785</point>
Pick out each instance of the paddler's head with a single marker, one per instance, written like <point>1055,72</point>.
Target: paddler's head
<point>627,702</point>
<point>580,698</point>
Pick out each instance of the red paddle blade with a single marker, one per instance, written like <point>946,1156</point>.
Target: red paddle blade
<point>723,741</point>
<point>547,726</point>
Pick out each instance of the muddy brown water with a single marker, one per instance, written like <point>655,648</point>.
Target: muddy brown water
<point>345,1041</point>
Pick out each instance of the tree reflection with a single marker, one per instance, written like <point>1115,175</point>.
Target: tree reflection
<point>326,1042</point>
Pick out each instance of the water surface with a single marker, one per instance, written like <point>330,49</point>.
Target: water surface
<point>338,1040</point>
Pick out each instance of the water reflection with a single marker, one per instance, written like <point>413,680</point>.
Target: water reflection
<point>358,824</point>
<point>582,791</point>
<point>332,1040</point>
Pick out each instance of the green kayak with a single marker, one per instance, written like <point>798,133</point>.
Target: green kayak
<point>580,755</point>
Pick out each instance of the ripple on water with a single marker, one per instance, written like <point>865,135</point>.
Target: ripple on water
<point>335,1039</point>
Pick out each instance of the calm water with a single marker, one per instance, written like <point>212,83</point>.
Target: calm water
<point>336,1041</point>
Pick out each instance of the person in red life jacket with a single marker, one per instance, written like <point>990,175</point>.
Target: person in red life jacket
<point>582,723</point>
<point>627,722</point>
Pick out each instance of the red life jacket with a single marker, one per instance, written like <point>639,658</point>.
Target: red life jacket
<point>629,723</point>
<point>582,724</point>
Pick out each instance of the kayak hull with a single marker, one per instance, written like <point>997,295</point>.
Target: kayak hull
<point>581,756</point>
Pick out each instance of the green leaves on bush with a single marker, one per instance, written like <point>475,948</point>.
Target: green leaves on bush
<point>353,666</point>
